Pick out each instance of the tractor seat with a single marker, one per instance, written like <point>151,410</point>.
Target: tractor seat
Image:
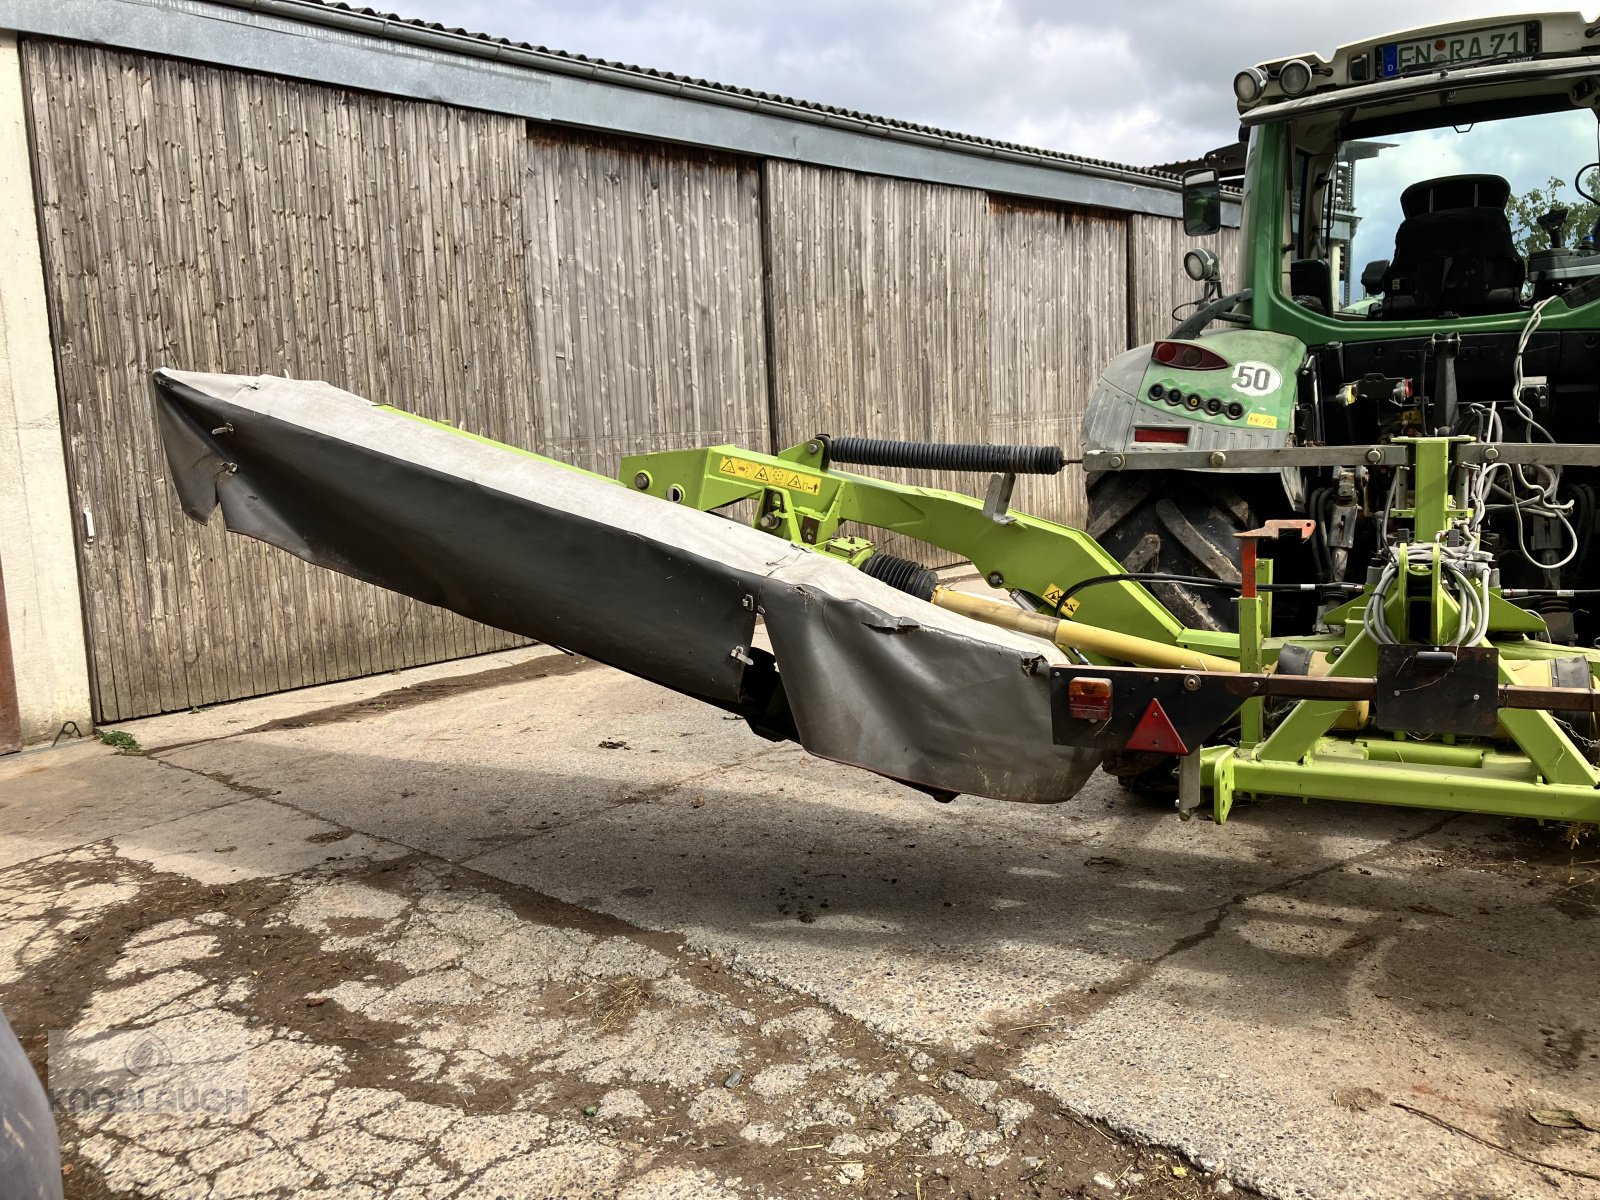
<point>1453,252</point>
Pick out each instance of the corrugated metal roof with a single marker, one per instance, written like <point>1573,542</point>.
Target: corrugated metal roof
<point>377,23</point>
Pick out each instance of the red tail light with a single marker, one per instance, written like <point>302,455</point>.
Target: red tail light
<point>1162,435</point>
<point>1089,699</point>
<point>1187,356</point>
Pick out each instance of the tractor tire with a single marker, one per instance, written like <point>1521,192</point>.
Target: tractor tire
<point>1152,778</point>
<point>1175,523</point>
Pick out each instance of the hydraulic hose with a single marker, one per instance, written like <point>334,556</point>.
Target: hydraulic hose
<point>1468,571</point>
<point>947,456</point>
<point>1197,581</point>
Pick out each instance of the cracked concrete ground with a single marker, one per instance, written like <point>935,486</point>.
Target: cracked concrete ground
<point>522,926</point>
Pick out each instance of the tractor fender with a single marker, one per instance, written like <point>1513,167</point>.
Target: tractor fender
<point>1260,377</point>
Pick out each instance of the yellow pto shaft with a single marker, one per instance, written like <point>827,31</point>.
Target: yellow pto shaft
<point>1140,652</point>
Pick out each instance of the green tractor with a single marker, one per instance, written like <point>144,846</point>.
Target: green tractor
<point>1409,169</point>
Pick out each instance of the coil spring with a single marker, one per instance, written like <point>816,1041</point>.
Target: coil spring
<point>947,456</point>
<point>902,574</point>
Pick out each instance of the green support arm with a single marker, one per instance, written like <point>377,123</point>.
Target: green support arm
<point>805,503</point>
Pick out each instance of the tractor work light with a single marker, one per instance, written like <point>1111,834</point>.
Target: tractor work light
<point>1089,699</point>
<point>1188,356</point>
<point>1200,265</point>
<point>1294,77</point>
<point>1248,84</point>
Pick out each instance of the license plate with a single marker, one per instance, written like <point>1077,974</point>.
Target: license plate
<point>1453,49</point>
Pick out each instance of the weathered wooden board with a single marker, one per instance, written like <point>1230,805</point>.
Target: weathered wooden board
<point>1156,282</point>
<point>1056,317</point>
<point>228,222</point>
<point>911,311</point>
<point>646,293</point>
<point>878,312</point>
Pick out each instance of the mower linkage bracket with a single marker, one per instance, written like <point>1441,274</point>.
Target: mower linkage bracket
<point>1190,792</point>
<point>997,501</point>
<point>1430,690</point>
<point>1199,703</point>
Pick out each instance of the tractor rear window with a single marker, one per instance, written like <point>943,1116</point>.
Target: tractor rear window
<point>1459,220</point>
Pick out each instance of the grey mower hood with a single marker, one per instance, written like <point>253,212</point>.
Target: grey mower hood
<point>859,672</point>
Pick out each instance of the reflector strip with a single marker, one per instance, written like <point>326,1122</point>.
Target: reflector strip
<point>1166,435</point>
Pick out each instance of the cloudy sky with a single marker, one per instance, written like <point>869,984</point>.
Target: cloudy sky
<point>1137,81</point>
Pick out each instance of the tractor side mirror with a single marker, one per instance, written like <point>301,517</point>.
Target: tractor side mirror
<point>1202,202</point>
<point>1372,276</point>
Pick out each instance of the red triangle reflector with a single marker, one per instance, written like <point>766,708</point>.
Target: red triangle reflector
<point>1155,732</point>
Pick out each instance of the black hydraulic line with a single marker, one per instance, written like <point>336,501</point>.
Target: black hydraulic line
<point>1200,581</point>
<point>946,456</point>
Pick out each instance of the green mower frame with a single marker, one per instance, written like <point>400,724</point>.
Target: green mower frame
<point>1328,729</point>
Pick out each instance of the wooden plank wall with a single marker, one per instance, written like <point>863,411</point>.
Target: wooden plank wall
<point>646,295</point>
<point>1156,282</point>
<point>907,310</point>
<point>219,221</point>
<point>576,294</point>
<point>879,313</point>
<point>879,305</point>
<point>579,296</point>
<point>1056,316</point>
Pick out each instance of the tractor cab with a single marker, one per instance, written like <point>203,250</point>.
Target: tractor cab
<point>1428,170</point>
<point>1418,256</point>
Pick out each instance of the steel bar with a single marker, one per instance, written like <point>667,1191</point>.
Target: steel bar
<point>1466,453</point>
<point>1564,454</point>
<point>1289,456</point>
<point>1350,689</point>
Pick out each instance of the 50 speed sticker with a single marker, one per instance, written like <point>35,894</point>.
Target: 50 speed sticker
<point>1256,378</point>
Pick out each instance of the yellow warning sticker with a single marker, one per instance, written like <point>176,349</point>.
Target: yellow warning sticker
<point>1262,420</point>
<point>770,475</point>
<point>1052,596</point>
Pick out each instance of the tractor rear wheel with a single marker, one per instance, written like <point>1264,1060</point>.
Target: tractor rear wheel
<point>1152,778</point>
<point>1175,523</point>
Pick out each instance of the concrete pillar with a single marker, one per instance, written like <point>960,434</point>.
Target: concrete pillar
<point>43,602</point>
